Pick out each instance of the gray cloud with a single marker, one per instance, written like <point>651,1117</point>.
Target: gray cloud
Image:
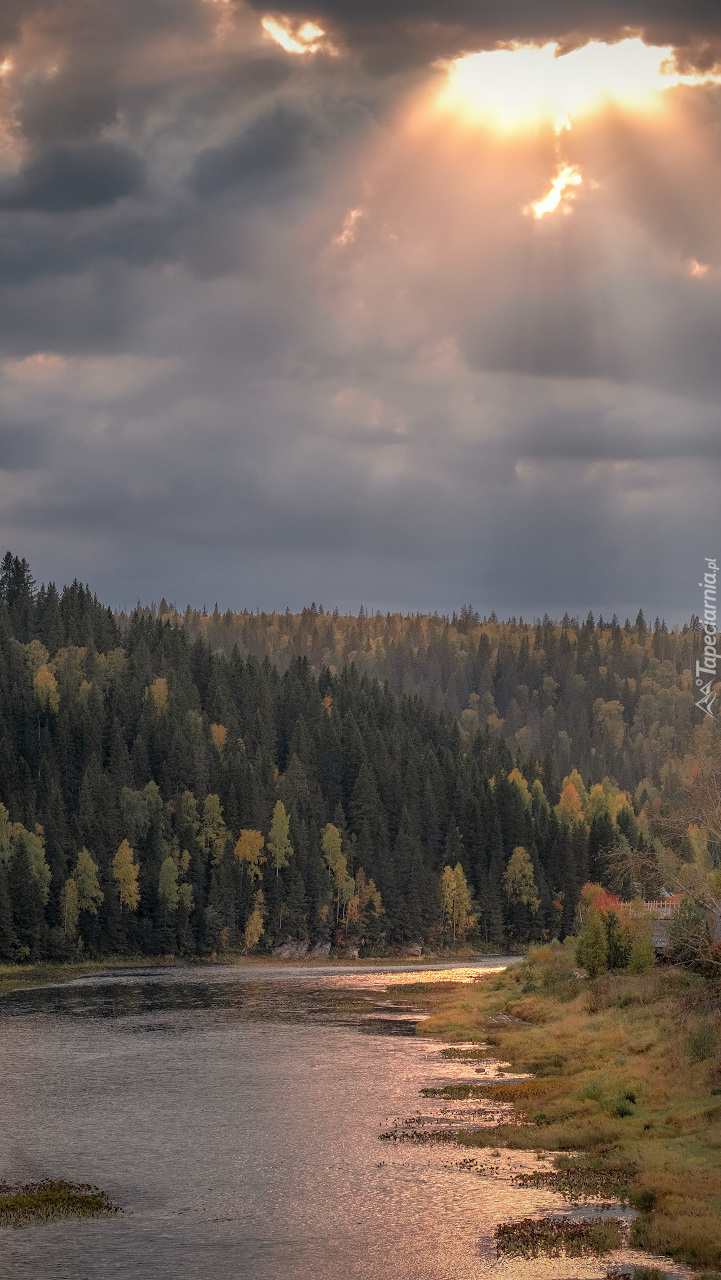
<point>65,179</point>
<point>266,155</point>
<point>21,445</point>
<point>412,32</point>
<point>69,106</point>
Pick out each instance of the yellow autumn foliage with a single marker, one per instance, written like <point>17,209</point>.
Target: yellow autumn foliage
<point>46,689</point>
<point>125,873</point>
<point>249,850</point>
<point>158,691</point>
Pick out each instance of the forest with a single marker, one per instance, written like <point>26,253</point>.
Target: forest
<point>202,783</point>
<point>599,695</point>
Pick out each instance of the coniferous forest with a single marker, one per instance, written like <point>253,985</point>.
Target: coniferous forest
<point>164,792</point>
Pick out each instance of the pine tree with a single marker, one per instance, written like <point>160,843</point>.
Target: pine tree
<point>17,589</point>
<point>27,904</point>
<point>7,933</point>
<point>168,886</point>
<point>69,908</point>
<point>85,875</point>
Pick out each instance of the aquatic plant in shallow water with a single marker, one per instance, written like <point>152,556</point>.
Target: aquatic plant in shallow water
<point>577,1180</point>
<point>29,1204</point>
<point>551,1237</point>
<point>637,1273</point>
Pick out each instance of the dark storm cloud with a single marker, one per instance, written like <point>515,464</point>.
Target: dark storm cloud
<point>265,154</point>
<point>139,237</point>
<point>12,15</point>
<point>403,32</point>
<point>64,179</point>
<point>70,106</point>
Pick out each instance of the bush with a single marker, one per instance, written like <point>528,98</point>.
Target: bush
<point>645,1200</point>
<point>702,1042</point>
<point>592,946</point>
<point>641,956</point>
<point>622,1108</point>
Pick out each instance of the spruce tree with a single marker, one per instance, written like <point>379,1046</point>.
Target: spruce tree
<point>27,905</point>
<point>7,933</point>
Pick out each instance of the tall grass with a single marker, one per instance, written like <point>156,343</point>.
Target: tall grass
<point>626,1068</point>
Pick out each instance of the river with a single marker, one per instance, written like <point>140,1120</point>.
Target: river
<point>234,1113</point>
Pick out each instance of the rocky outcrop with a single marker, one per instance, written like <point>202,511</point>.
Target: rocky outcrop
<point>320,951</point>
<point>413,949</point>
<point>291,949</point>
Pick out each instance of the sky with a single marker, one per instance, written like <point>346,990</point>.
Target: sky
<point>397,304</point>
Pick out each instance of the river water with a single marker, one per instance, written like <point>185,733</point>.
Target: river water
<point>234,1113</point>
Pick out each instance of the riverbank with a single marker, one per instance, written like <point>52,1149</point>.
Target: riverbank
<point>625,1069</point>
<point>14,977</point>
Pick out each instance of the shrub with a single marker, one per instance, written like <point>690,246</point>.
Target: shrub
<point>645,1200</point>
<point>702,1042</point>
<point>592,946</point>
<point>622,1108</point>
<point>593,1090</point>
<point>641,956</point>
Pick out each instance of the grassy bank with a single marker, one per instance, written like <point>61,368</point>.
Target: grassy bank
<point>626,1070</point>
<point>14,977</point>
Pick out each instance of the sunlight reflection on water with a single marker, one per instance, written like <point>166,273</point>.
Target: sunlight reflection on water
<point>465,973</point>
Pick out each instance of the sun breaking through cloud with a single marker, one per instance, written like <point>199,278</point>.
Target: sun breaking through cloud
<point>526,87</point>
<point>697,269</point>
<point>307,38</point>
<point>522,85</point>
<point>349,230</point>
<point>568,176</point>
